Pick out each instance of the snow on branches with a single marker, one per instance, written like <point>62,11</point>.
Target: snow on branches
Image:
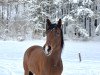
<point>83,11</point>
<point>77,32</point>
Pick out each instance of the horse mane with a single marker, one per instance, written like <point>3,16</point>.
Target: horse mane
<point>62,39</point>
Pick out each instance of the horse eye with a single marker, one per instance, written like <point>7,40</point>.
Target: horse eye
<point>57,33</point>
<point>52,30</point>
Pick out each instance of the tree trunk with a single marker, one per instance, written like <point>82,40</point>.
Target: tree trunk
<point>89,26</point>
<point>2,12</point>
<point>7,13</point>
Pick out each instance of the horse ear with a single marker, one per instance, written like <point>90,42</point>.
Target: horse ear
<point>48,24</point>
<point>59,23</point>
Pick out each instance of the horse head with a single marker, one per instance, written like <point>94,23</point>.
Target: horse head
<point>54,36</point>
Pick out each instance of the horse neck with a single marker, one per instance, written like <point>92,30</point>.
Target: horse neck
<point>57,47</point>
<point>55,56</point>
<point>57,51</point>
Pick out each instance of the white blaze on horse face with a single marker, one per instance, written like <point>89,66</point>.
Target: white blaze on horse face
<point>46,49</point>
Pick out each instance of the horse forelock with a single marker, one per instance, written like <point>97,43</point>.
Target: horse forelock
<point>52,26</point>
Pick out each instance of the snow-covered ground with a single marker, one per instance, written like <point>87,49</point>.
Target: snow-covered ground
<point>11,57</point>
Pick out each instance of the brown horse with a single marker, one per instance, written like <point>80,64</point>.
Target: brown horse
<point>46,60</point>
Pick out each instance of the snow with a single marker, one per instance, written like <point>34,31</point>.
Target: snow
<point>83,11</point>
<point>76,32</point>
<point>77,1</point>
<point>69,17</point>
<point>96,38</point>
<point>97,30</point>
<point>11,57</point>
<point>56,1</point>
<point>89,2</point>
<point>74,1</point>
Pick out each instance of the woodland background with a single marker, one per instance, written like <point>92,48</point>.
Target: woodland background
<point>26,19</point>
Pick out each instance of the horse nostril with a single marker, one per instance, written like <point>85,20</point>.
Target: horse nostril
<point>49,48</point>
